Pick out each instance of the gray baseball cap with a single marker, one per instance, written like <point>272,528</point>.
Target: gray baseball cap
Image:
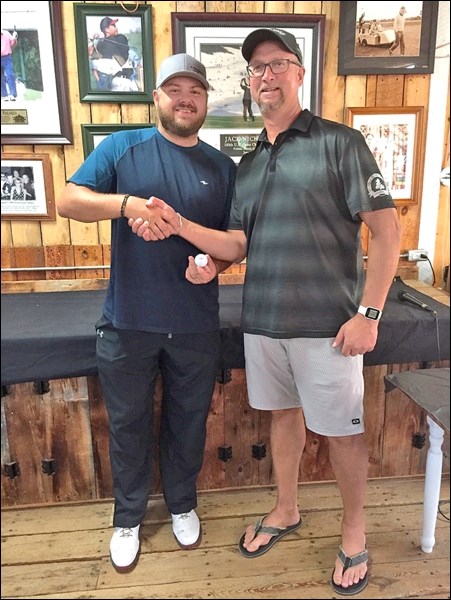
<point>276,35</point>
<point>182,65</point>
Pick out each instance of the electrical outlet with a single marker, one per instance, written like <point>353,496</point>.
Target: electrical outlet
<point>417,254</point>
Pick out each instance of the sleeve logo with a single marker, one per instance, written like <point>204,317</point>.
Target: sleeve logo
<point>376,186</point>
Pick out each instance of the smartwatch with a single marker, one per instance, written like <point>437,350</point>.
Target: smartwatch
<point>369,312</point>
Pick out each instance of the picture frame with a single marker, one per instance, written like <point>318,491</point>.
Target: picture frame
<point>37,110</point>
<point>396,138</point>
<point>27,187</point>
<point>92,135</point>
<point>120,69</point>
<point>366,36</point>
<point>233,142</point>
<point>216,39</point>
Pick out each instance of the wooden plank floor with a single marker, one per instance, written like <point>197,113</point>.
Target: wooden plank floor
<point>61,551</point>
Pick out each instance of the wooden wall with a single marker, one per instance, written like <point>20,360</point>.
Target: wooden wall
<point>65,242</point>
<point>55,439</point>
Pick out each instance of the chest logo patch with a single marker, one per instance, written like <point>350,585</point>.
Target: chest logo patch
<point>376,186</point>
<point>203,182</point>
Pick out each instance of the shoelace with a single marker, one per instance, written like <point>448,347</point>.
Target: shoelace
<point>183,516</point>
<point>126,532</point>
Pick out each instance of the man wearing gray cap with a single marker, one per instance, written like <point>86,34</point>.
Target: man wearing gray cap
<point>154,320</point>
<point>309,313</point>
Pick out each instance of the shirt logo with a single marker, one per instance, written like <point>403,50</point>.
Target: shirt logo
<point>203,182</point>
<point>355,421</point>
<point>376,186</point>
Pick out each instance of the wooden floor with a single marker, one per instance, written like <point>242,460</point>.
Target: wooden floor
<point>61,551</point>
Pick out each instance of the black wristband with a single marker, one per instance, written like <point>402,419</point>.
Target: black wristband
<point>124,204</point>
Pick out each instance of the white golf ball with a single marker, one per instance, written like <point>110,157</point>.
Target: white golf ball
<point>201,260</point>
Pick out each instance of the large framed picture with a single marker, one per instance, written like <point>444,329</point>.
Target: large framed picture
<point>395,136</point>
<point>233,142</point>
<point>27,187</point>
<point>114,53</point>
<point>92,135</point>
<point>34,100</point>
<point>387,37</point>
<point>216,39</point>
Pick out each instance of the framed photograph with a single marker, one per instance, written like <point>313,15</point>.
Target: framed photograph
<point>34,101</point>
<point>216,39</point>
<point>395,137</point>
<point>114,53</point>
<point>92,135</point>
<point>387,37</point>
<point>27,187</point>
<point>234,142</point>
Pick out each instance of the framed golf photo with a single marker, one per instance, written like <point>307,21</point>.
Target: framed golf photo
<point>216,39</point>
<point>114,53</point>
<point>387,37</point>
<point>35,103</point>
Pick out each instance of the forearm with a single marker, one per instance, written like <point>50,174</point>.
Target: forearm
<point>381,268</point>
<point>83,204</point>
<point>228,246</point>
<point>221,265</point>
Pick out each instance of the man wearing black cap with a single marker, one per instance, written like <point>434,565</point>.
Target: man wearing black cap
<point>309,314</point>
<point>154,320</point>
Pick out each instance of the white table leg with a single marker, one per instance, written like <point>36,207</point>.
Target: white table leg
<point>432,485</point>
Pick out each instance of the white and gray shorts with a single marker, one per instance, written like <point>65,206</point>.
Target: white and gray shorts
<point>306,373</point>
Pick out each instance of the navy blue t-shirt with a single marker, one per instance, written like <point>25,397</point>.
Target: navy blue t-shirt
<point>148,290</point>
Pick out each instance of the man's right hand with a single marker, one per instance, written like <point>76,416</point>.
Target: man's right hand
<point>162,222</point>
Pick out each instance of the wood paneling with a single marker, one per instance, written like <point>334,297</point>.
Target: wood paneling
<point>68,424</point>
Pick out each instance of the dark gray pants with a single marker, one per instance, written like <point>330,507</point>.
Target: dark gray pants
<point>128,363</point>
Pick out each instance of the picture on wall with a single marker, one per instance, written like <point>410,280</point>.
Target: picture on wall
<point>232,142</point>
<point>92,135</point>
<point>387,37</point>
<point>216,39</point>
<point>395,138</point>
<point>114,53</point>
<point>27,187</point>
<point>34,100</point>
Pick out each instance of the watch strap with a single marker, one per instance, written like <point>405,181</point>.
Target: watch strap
<point>369,312</point>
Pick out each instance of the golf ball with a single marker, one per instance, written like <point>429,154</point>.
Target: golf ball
<point>201,260</point>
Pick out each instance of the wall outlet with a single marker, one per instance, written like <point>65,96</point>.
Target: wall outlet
<point>417,254</point>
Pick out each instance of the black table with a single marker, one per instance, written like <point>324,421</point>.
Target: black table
<point>51,335</point>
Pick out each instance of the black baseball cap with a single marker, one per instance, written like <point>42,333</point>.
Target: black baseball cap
<point>106,22</point>
<point>264,35</point>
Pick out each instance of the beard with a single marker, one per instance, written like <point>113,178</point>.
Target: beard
<point>179,127</point>
<point>267,107</point>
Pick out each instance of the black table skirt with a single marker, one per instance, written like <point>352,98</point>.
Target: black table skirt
<point>51,335</point>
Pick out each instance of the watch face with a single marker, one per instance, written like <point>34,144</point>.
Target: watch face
<point>372,313</point>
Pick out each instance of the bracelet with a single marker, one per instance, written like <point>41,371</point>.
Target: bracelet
<point>180,222</point>
<point>124,204</point>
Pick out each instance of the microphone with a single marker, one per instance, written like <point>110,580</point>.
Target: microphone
<point>404,296</point>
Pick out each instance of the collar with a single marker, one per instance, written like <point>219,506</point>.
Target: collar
<point>301,124</point>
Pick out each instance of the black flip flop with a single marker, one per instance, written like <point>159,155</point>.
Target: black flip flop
<point>351,561</point>
<point>275,532</point>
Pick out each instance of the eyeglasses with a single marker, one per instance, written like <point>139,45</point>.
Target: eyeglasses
<point>277,66</point>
